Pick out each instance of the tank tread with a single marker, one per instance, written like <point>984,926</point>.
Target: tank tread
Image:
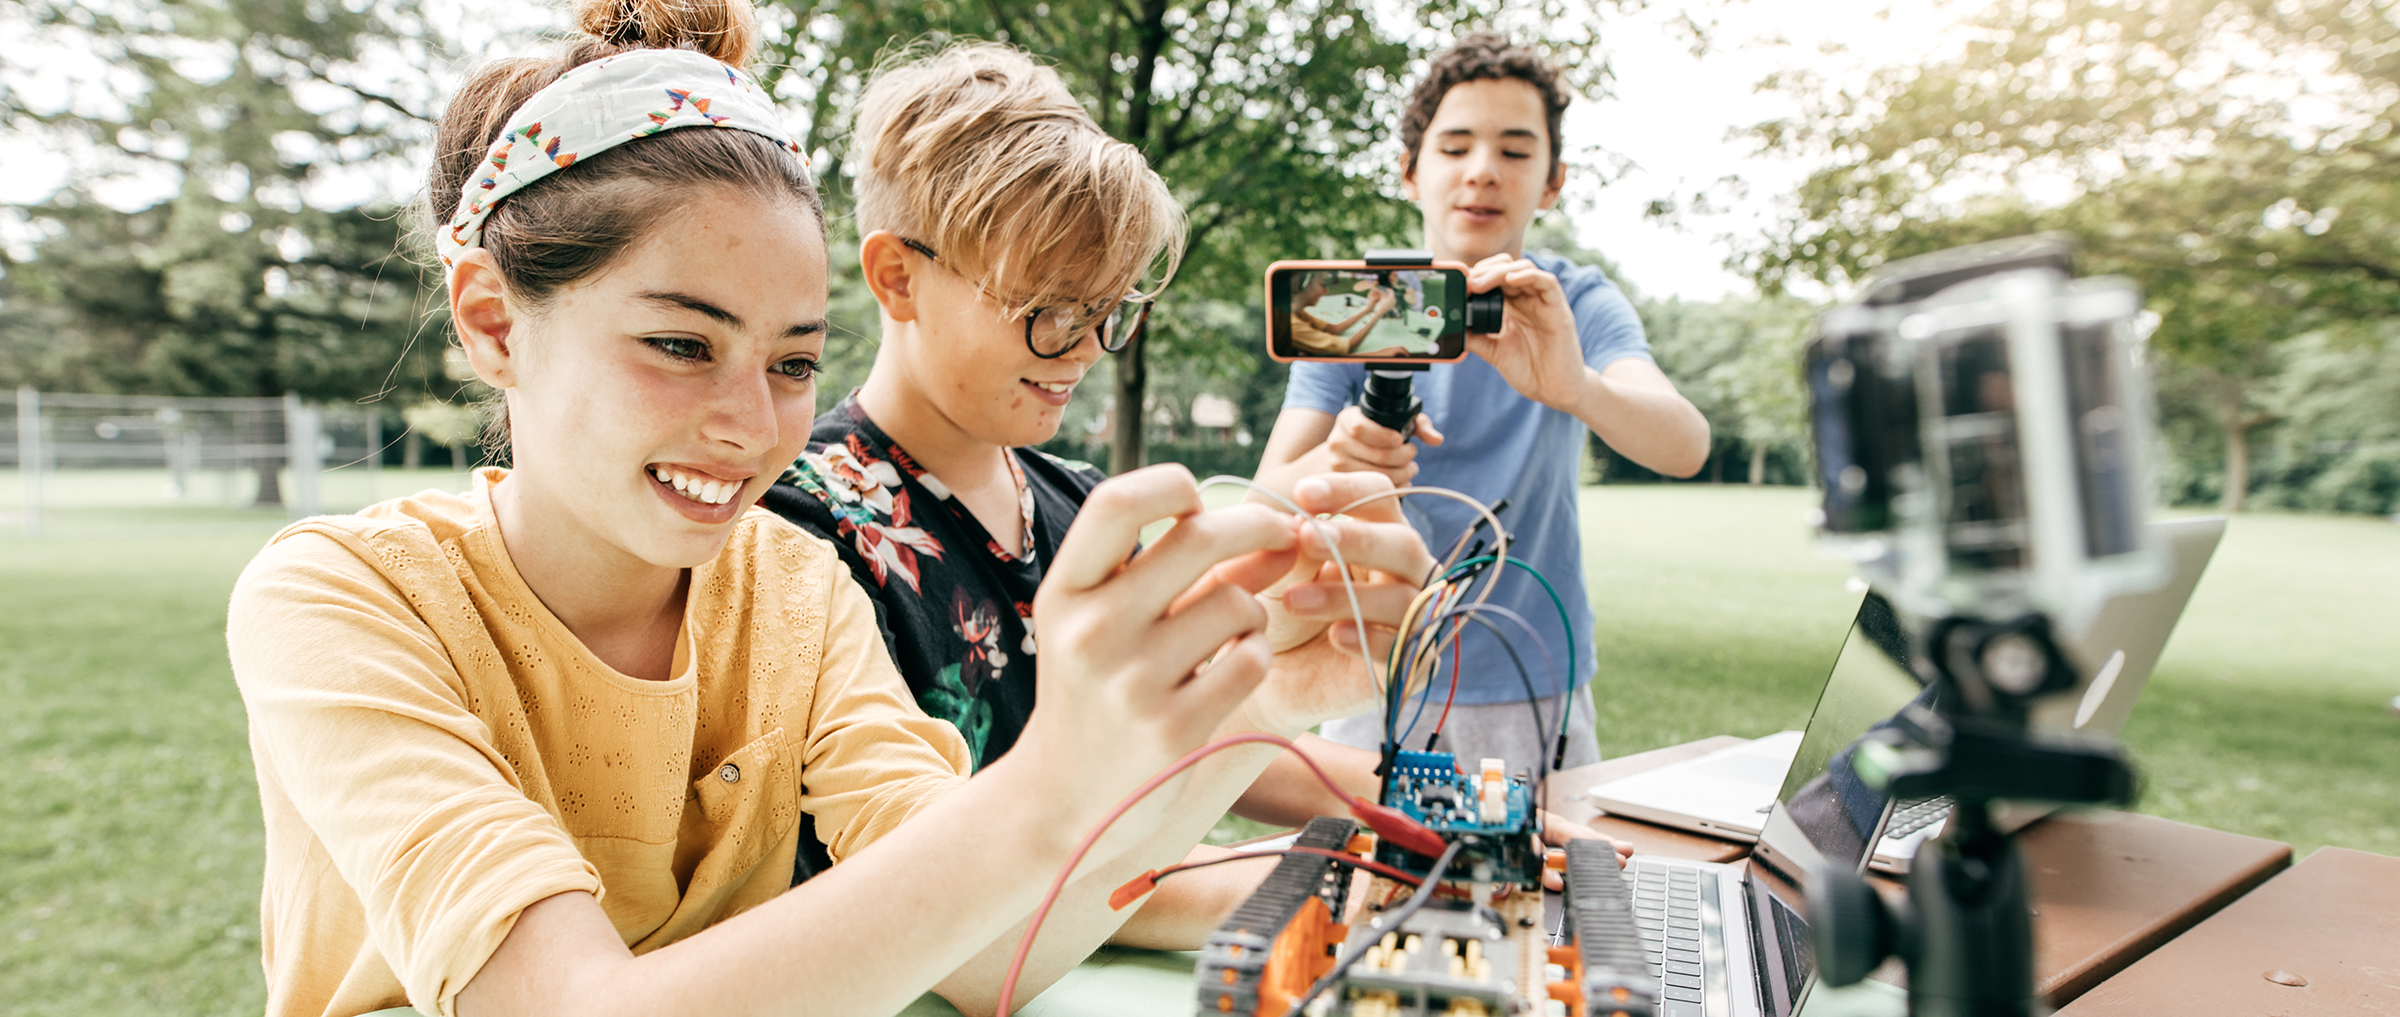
<point>1617,977</point>
<point>1235,957</point>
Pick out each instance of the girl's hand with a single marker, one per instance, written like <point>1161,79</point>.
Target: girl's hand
<point>1143,656</point>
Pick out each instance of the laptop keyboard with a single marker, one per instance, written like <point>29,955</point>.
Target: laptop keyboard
<point>1666,910</point>
<point>1916,814</point>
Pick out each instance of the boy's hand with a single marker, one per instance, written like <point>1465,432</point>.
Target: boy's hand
<point>1361,445</point>
<point>1142,659</point>
<point>1536,350</point>
<point>1318,673</point>
<point>1557,830</point>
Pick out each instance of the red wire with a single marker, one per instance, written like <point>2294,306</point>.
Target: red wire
<point>1345,858</point>
<point>1456,648</point>
<point>1016,964</point>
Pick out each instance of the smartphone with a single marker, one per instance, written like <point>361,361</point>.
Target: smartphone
<point>1356,311</point>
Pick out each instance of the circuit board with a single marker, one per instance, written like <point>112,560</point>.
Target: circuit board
<point>1490,812</point>
<point>1476,948</point>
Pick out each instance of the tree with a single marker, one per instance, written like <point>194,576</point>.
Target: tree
<point>1738,361</point>
<point>241,282</point>
<point>1270,119</point>
<point>2237,157</point>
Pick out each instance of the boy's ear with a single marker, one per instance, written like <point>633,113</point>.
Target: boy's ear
<point>1556,186</point>
<point>480,314</point>
<point>890,269</point>
<point>1408,177</point>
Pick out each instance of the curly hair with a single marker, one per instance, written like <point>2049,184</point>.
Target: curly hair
<point>1483,56</point>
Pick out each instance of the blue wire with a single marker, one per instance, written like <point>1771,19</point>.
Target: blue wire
<point>1566,698</point>
<point>1532,701</point>
<point>1413,718</point>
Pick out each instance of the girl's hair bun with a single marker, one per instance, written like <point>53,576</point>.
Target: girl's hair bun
<point>724,29</point>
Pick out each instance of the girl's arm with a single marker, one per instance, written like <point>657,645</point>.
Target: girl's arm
<point>1369,311</point>
<point>1123,695</point>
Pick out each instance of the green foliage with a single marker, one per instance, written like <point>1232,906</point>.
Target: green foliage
<point>2337,446</point>
<point>1269,119</point>
<point>2236,157</point>
<point>1738,361</point>
<point>236,284</point>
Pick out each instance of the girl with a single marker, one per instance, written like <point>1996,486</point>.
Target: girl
<point>543,747</point>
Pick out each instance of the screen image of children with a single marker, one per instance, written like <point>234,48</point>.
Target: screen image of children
<point>1413,325</point>
<point>1334,313</point>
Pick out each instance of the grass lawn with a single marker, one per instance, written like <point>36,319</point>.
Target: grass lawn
<point>2266,716</point>
<point>129,827</point>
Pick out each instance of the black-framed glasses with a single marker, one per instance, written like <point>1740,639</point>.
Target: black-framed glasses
<point>1052,332</point>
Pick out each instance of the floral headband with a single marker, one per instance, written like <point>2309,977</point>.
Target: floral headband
<point>598,106</point>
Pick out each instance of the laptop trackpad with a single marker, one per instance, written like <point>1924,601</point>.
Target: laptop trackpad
<point>1748,769</point>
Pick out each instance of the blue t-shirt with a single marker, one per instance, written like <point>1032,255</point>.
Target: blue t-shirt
<point>1499,444</point>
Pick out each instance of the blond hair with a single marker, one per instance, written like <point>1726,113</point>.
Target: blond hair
<point>980,153</point>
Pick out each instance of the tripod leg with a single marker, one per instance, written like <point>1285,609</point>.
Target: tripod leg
<point>1972,954</point>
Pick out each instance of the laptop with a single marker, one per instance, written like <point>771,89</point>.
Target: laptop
<point>1730,940</point>
<point>1729,793</point>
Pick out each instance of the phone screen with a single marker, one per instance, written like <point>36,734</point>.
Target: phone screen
<point>1367,314</point>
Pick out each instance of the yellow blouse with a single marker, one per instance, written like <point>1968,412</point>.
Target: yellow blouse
<point>436,751</point>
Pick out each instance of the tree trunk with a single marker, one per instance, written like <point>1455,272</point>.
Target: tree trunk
<point>1133,374</point>
<point>1758,464</point>
<point>2237,461</point>
<point>412,451</point>
<point>1125,427</point>
<point>270,484</point>
<point>458,457</point>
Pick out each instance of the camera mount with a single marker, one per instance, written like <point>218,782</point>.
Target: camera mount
<point>1390,399</point>
<point>1965,933</point>
<point>1981,423</point>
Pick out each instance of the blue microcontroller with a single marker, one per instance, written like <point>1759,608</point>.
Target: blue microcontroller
<point>1429,788</point>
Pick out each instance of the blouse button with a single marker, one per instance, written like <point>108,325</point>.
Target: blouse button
<point>729,773</point>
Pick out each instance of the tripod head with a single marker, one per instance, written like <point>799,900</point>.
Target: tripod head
<point>1390,398</point>
<point>1982,427</point>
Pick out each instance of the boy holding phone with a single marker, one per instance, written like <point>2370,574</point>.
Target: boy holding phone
<point>1481,139</point>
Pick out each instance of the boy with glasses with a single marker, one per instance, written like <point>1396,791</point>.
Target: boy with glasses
<point>996,298</point>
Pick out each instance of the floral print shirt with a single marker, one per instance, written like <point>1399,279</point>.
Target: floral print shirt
<point>954,604</point>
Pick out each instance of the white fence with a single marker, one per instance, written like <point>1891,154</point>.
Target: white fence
<point>244,459</point>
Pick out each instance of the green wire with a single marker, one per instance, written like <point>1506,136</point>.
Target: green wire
<point>1564,624</point>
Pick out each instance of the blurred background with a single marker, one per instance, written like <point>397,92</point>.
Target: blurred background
<point>215,316</point>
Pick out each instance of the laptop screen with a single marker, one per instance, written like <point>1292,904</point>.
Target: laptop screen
<point>1870,684</point>
<point>1822,795</point>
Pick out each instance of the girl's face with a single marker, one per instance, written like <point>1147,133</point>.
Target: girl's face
<point>653,402</point>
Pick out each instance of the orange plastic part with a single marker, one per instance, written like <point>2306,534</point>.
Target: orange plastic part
<point>1570,991</point>
<point>1301,954</point>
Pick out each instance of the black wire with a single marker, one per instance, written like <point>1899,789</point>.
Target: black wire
<point>1541,780</point>
<point>1395,919</point>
